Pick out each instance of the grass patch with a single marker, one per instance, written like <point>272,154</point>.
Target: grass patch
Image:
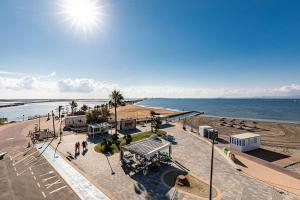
<point>136,137</point>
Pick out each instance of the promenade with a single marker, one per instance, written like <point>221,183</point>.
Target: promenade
<point>80,185</point>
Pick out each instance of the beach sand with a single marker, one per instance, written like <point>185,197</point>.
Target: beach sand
<point>279,137</point>
<point>139,112</point>
<point>275,136</point>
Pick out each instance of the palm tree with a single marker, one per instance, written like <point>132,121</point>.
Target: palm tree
<point>60,108</point>
<point>73,105</point>
<point>116,99</point>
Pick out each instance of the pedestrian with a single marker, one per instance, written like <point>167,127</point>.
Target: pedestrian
<point>83,145</point>
<point>75,148</point>
<point>78,144</point>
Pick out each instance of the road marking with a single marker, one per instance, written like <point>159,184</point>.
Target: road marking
<point>54,183</point>
<point>32,172</point>
<point>50,172</point>
<point>18,154</point>
<point>10,138</point>
<point>46,179</point>
<point>39,164</point>
<point>34,177</point>
<point>29,160</point>
<point>30,168</point>
<point>38,184</point>
<point>15,168</point>
<point>57,189</point>
<point>24,158</point>
<point>44,195</point>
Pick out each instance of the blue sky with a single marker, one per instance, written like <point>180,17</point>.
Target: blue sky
<point>152,48</point>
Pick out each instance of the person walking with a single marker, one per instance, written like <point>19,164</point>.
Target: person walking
<point>78,146</point>
<point>83,146</point>
<point>75,149</point>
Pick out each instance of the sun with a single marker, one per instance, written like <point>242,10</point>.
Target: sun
<point>85,16</point>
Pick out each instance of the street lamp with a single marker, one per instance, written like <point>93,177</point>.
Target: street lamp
<point>213,136</point>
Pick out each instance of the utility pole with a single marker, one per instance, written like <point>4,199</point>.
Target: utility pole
<point>53,123</point>
<point>214,136</point>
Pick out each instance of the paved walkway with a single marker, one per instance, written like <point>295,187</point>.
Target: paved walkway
<point>191,152</point>
<point>195,154</point>
<point>83,188</point>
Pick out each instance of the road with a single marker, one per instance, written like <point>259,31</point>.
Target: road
<point>23,173</point>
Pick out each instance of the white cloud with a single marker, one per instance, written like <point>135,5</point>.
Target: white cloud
<point>18,85</point>
<point>76,85</point>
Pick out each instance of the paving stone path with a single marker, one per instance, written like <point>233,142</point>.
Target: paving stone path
<point>189,151</point>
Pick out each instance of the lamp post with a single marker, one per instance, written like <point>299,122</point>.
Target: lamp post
<point>214,136</point>
<point>60,132</point>
<point>53,123</point>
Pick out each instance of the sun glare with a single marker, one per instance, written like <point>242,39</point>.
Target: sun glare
<point>84,16</point>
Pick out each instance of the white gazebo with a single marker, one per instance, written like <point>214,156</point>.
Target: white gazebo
<point>100,128</point>
<point>244,142</point>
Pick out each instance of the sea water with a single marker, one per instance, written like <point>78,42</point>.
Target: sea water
<point>285,110</point>
<point>16,113</point>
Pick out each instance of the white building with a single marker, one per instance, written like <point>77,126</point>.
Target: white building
<point>244,142</point>
<point>205,131</point>
<point>101,128</point>
<point>75,121</point>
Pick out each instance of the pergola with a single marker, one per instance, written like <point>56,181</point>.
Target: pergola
<point>147,148</point>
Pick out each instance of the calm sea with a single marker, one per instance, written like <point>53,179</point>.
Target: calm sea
<point>32,109</point>
<point>287,110</point>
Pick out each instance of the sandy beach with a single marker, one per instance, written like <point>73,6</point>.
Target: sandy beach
<point>139,112</point>
<point>281,137</point>
<point>284,137</point>
<point>276,136</point>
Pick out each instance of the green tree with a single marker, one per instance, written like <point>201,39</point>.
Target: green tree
<point>128,138</point>
<point>155,121</point>
<point>116,99</point>
<point>115,140</point>
<point>73,105</point>
<point>157,124</point>
<point>84,107</point>
<point>98,115</point>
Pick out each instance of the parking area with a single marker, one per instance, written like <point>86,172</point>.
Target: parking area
<point>25,174</point>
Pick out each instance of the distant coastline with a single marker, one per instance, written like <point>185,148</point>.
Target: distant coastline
<point>21,102</point>
<point>11,105</point>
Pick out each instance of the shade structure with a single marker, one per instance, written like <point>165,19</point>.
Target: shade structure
<point>147,147</point>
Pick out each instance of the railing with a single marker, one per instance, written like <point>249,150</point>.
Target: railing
<point>174,194</point>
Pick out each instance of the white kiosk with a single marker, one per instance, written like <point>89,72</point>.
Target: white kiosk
<point>244,142</point>
<point>98,128</point>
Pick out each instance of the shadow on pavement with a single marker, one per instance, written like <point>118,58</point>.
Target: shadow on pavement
<point>151,184</point>
<point>267,155</point>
